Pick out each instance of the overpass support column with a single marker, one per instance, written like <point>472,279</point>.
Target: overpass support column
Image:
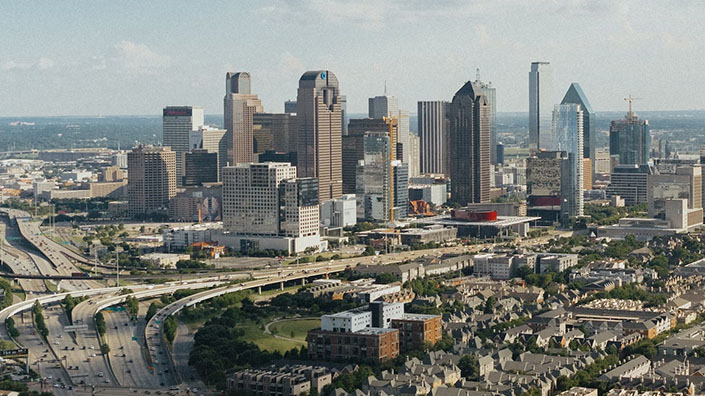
<point>327,275</point>
<point>259,289</point>
<point>281,285</point>
<point>303,281</point>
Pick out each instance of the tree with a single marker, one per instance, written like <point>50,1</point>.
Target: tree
<point>489,305</point>
<point>100,323</point>
<point>385,278</point>
<point>105,349</point>
<point>469,367</point>
<point>151,311</point>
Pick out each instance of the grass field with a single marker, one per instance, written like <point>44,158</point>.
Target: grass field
<point>254,333</point>
<point>297,327</point>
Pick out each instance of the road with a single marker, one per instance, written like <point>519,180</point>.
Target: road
<point>183,344</point>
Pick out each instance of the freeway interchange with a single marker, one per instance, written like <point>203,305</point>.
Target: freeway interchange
<point>70,359</point>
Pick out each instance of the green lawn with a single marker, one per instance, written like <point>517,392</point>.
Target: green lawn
<point>254,333</point>
<point>298,326</point>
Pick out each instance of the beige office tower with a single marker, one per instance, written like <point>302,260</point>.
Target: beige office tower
<point>177,123</point>
<point>388,106</point>
<point>319,152</point>
<point>414,155</point>
<point>151,180</point>
<point>240,108</point>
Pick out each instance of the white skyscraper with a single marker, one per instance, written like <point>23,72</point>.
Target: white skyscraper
<point>540,106</point>
<point>177,123</point>
<point>568,137</point>
<point>240,106</point>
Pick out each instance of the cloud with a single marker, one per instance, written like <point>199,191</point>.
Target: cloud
<point>291,63</point>
<point>139,58</point>
<point>40,64</point>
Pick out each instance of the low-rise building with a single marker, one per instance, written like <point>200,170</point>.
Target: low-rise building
<point>279,381</point>
<point>164,260</point>
<point>415,330</point>
<point>370,343</point>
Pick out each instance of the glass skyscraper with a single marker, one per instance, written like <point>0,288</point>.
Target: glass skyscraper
<point>576,95</point>
<point>568,137</point>
<point>540,106</point>
<point>630,139</point>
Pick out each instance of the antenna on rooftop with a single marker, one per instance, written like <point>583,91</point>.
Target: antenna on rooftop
<point>477,74</point>
<point>385,87</point>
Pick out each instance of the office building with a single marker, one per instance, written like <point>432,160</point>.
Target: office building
<point>630,139</point>
<point>240,106</point>
<point>433,132</point>
<point>151,179</point>
<point>197,204</point>
<point>540,106</point>
<point>177,123</point>
<point>290,107</point>
<point>319,114</point>
<point>388,107</point>
<point>490,93</point>
<point>568,137</point>
<point>375,183</point>
<point>339,212</point>
<point>284,130</point>
<point>576,95</point>
<point>630,182</point>
<point>355,148</point>
<point>265,206</point>
<point>414,155</point>
<point>201,166</point>
<point>276,156</point>
<point>400,173</point>
<point>587,174</point>
<point>546,183</point>
<point>213,140</point>
<point>469,146</point>
<point>683,182</point>
<point>500,153</point>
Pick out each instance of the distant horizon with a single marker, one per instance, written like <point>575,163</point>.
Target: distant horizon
<point>350,114</point>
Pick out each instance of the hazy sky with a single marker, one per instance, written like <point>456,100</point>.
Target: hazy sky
<point>121,57</point>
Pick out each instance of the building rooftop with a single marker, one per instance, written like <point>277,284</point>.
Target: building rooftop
<point>375,331</point>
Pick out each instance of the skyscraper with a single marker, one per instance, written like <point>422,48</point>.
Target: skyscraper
<point>151,179</point>
<point>469,119</point>
<point>630,139</point>
<point>433,132</point>
<point>576,95</point>
<point>266,207</point>
<point>388,106</point>
<point>240,107</point>
<point>319,114</point>
<point>355,148</point>
<point>383,183</point>
<point>414,155</point>
<point>540,106</point>
<point>490,93</point>
<point>201,166</point>
<point>212,140</point>
<point>568,137</point>
<point>177,124</point>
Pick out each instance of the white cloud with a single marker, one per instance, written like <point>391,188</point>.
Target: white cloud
<point>41,64</point>
<point>139,58</point>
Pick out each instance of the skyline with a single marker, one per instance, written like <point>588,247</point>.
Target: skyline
<point>134,62</point>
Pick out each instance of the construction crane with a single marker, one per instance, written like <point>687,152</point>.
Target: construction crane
<point>630,99</point>
<point>393,124</point>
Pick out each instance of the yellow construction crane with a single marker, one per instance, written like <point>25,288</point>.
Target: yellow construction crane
<point>630,99</point>
<point>393,126</point>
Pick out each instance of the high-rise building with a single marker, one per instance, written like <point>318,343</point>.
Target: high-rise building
<point>213,140</point>
<point>201,167</point>
<point>540,106</point>
<point>400,174</point>
<point>469,120</point>
<point>490,93</point>
<point>344,114</point>
<point>240,107</point>
<point>546,183</point>
<point>355,148</point>
<point>500,153</point>
<point>414,155</point>
<point>630,182</point>
<point>630,139</point>
<point>266,206</point>
<point>576,95</point>
<point>319,115</point>
<point>433,132</point>
<point>284,133</point>
<point>151,178</point>
<point>675,182</point>
<point>374,178</point>
<point>290,107</point>
<point>177,123</point>
<point>388,106</point>
<point>568,137</point>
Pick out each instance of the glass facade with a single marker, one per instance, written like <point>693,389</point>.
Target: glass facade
<point>568,137</point>
<point>540,106</point>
